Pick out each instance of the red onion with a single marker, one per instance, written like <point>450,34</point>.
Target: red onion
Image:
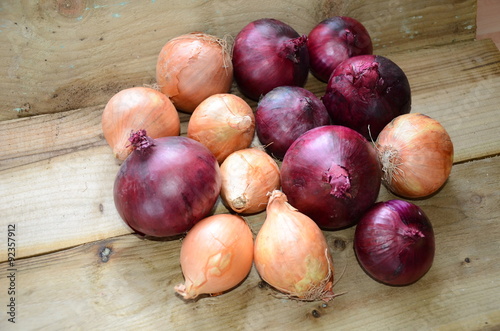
<point>268,53</point>
<point>331,174</point>
<point>366,92</point>
<point>166,185</point>
<point>394,242</point>
<point>333,41</point>
<point>285,113</point>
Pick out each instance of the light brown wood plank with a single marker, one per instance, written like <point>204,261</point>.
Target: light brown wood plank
<point>77,289</point>
<point>56,58</point>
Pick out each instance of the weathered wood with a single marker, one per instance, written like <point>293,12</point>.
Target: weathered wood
<point>127,282</point>
<point>63,55</point>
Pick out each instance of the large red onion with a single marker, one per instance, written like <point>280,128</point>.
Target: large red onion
<point>331,174</point>
<point>268,53</point>
<point>166,185</point>
<point>394,242</point>
<point>366,92</point>
<point>334,40</point>
<point>284,114</point>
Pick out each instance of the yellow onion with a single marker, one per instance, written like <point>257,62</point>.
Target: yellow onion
<point>248,175</point>
<point>192,67</point>
<point>137,108</point>
<point>224,123</point>
<point>291,253</point>
<point>416,154</point>
<point>216,255</point>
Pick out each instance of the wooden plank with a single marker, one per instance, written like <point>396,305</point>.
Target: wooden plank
<point>57,180</point>
<point>61,55</point>
<point>127,282</point>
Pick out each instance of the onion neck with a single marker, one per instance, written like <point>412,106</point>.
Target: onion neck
<point>140,141</point>
<point>240,123</point>
<point>339,180</point>
<point>291,48</point>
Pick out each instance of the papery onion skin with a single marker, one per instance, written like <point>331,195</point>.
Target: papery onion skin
<point>285,113</point>
<point>334,40</point>
<point>416,154</point>
<point>366,92</point>
<point>192,67</point>
<point>224,123</point>
<point>248,175</point>
<point>268,53</point>
<point>291,253</point>
<point>137,108</point>
<point>216,255</point>
<point>394,242</point>
<point>163,189</point>
<point>331,174</point>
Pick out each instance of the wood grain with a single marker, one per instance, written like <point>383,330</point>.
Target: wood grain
<point>127,282</point>
<point>66,55</point>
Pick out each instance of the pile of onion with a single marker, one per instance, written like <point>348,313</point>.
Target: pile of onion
<point>224,123</point>
<point>416,154</point>
<point>291,253</point>
<point>285,113</point>
<point>137,108</point>
<point>331,174</point>
<point>192,67</point>
<point>248,175</point>
<point>366,92</point>
<point>268,53</point>
<point>334,40</point>
<point>394,242</point>
<point>216,255</point>
<point>166,185</point>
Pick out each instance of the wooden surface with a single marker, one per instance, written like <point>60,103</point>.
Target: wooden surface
<point>78,266</point>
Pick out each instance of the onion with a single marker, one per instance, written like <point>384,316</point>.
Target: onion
<point>137,108</point>
<point>285,113</point>
<point>331,174</point>
<point>216,255</point>
<point>224,123</point>
<point>366,92</point>
<point>268,53</point>
<point>192,67</point>
<point>416,154</point>
<point>291,253</point>
<point>166,185</point>
<point>248,175</point>
<point>394,242</point>
<point>334,40</point>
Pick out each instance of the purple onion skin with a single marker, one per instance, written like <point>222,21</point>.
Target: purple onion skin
<point>366,92</point>
<point>268,53</point>
<point>331,174</point>
<point>334,40</point>
<point>394,243</point>
<point>166,189</point>
<point>284,114</point>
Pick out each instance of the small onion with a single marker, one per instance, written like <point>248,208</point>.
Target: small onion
<point>192,67</point>
<point>137,108</point>
<point>268,53</point>
<point>216,255</point>
<point>291,253</point>
<point>334,40</point>
<point>248,175</point>
<point>166,185</point>
<point>331,174</point>
<point>366,92</point>
<point>224,123</point>
<point>285,113</point>
<point>394,242</point>
<point>416,154</point>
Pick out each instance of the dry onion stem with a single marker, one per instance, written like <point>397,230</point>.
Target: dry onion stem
<point>291,253</point>
<point>192,67</point>
<point>248,175</point>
